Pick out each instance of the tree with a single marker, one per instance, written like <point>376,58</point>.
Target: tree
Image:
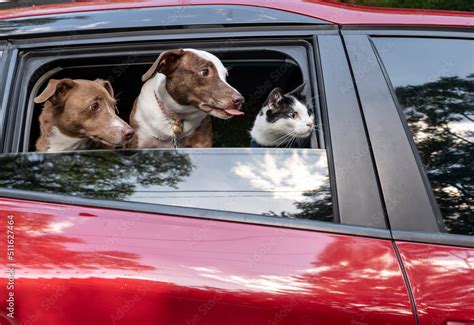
<point>464,5</point>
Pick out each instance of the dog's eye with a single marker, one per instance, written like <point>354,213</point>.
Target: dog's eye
<point>294,115</point>
<point>94,107</point>
<point>204,72</point>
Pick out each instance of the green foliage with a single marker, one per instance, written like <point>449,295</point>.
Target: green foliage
<point>464,5</point>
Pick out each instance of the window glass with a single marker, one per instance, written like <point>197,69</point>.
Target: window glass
<point>434,83</point>
<point>291,183</point>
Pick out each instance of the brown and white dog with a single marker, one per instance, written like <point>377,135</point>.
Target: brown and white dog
<point>80,114</point>
<point>182,88</point>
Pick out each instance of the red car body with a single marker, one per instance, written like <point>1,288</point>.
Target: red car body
<point>84,265</point>
<point>326,10</point>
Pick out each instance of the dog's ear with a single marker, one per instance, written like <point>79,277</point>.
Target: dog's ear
<point>54,88</point>
<point>166,63</point>
<point>274,98</point>
<point>107,85</point>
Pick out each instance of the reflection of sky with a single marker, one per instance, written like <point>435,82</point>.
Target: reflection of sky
<point>415,61</point>
<point>243,180</point>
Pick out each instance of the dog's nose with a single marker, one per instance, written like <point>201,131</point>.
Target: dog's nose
<point>237,99</point>
<point>127,132</point>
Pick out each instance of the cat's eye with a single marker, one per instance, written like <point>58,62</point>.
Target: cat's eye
<point>294,115</point>
<point>204,72</point>
<point>94,107</point>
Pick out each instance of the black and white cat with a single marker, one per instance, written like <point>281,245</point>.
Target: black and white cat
<point>283,120</point>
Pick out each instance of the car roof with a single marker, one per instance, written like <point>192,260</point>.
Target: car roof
<point>330,11</point>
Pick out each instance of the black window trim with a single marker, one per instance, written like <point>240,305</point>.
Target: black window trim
<point>185,212</point>
<point>355,183</point>
<point>9,59</point>
<point>344,160</point>
<point>432,229</point>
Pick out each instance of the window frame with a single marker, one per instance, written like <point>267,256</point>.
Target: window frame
<point>397,158</point>
<point>8,59</point>
<point>354,221</point>
<point>289,47</point>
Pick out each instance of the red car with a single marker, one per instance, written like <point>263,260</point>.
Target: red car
<point>371,223</point>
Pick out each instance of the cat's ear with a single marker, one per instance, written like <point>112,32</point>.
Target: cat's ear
<point>274,98</point>
<point>299,92</point>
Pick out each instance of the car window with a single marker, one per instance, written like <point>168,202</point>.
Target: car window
<point>292,183</point>
<point>434,83</point>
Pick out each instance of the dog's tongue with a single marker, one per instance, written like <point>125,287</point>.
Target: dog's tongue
<point>233,112</point>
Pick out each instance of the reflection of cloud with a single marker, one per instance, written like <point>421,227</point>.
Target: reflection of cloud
<point>462,128</point>
<point>451,190</point>
<point>58,226</point>
<point>205,269</point>
<point>51,228</point>
<point>93,25</point>
<point>34,30</point>
<point>271,283</point>
<point>283,174</point>
<point>267,283</point>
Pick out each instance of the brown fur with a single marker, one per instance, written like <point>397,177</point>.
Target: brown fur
<point>202,137</point>
<point>68,108</point>
<point>188,86</point>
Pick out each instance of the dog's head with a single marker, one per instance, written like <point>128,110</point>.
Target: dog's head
<point>197,78</point>
<point>86,109</point>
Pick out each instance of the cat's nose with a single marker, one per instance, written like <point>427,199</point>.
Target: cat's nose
<point>310,124</point>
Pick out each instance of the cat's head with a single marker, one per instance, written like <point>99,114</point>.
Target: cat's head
<point>286,113</point>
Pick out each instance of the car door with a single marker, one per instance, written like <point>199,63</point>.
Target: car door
<point>416,90</point>
<point>210,236</point>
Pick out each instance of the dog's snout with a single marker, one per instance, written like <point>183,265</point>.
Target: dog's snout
<point>127,132</point>
<point>237,99</point>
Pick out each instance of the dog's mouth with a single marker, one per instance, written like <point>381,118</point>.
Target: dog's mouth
<point>223,113</point>
<point>108,143</point>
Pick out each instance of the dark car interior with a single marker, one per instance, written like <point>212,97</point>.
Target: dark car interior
<point>253,73</point>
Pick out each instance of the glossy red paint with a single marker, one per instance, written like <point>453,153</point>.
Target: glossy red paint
<point>442,281</point>
<point>79,265</point>
<point>325,10</point>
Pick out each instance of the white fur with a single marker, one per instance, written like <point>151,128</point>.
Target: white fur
<point>221,70</point>
<point>273,134</point>
<point>58,141</point>
<point>151,121</point>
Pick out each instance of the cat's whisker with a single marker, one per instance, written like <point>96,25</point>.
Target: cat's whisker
<point>290,145</point>
<point>283,138</point>
<point>286,137</point>
<point>282,141</point>
<point>291,136</point>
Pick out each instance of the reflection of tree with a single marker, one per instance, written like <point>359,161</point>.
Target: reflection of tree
<point>99,174</point>
<point>38,248</point>
<point>365,268</point>
<point>434,112</point>
<point>318,205</point>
